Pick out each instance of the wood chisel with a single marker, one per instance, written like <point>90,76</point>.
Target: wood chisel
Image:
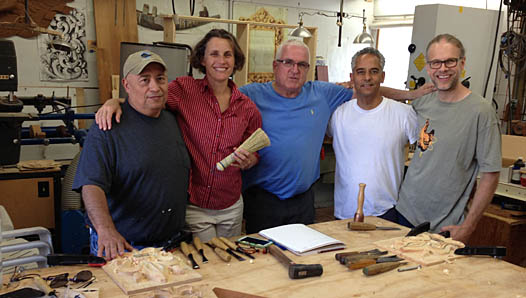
<point>381,268</point>
<point>361,226</point>
<point>362,263</point>
<point>186,251</point>
<point>223,255</point>
<point>223,246</point>
<point>233,246</point>
<point>199,247</point>
<point>375,251</point>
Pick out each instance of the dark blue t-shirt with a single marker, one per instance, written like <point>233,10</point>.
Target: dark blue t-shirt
<point>142,166</point>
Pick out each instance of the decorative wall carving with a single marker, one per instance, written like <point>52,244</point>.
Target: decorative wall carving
<point>263,16</point>
<point>64,59</point>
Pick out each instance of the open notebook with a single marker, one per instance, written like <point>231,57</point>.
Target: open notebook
<point>302,240</point>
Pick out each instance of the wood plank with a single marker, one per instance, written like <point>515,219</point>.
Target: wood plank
<point>243,38</point>
<point>311,43</point>
<point>115,22</point>
<point>79,94</point>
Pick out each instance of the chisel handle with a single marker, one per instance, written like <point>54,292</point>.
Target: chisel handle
<point>342,255</point>
<point>229,243</point>
<point>361,264</point>
<point>360,226</point>
<point>198,244</point>
<point>185,249</point>
<point>223,255</point>
<point>381,268</point>
<point>219,243</point>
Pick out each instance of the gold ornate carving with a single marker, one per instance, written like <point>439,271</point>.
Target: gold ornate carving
<point>260,77</point>
<point>263,16</point>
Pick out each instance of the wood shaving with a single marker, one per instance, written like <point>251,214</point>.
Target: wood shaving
<point>428,245</point>
<point>148,264</point>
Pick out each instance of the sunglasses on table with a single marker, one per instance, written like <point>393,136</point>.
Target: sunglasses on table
<point>61,280</point>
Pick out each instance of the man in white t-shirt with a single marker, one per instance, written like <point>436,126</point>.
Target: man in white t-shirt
<point>370,133</point>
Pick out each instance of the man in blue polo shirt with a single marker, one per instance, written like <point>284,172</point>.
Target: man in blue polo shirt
<point>278,190</point>
<point>134,178</point>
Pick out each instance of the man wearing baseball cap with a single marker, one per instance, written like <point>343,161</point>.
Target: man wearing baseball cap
<point>134,178</point>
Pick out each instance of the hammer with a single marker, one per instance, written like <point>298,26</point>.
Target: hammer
<point>296,271</point>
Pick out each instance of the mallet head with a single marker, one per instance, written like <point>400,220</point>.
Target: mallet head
<point>298,271</point>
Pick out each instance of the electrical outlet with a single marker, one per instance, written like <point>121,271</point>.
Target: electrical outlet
<point>43,189</point>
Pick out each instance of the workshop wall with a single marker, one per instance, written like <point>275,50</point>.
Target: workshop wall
<point>338,58</point>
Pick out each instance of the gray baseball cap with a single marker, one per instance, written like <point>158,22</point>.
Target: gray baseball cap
<point>137,61</point>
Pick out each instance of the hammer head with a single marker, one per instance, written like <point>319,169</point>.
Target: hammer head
<point>297,271</point>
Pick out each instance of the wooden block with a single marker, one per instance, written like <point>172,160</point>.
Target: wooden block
<point>130,287</point>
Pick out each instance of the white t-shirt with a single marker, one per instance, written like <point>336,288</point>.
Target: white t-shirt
<point>369,148</point>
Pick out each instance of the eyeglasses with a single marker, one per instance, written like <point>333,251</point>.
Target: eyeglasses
<point>61,280</point>
<point>289,63</point>
<point>451,62</point>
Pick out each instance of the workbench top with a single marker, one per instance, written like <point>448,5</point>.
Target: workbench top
<point>465,277</point>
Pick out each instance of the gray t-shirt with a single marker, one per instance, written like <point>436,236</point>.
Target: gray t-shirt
<point>456,141</point>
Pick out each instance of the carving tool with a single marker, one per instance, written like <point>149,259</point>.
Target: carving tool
<point>381,268</point>
<point>199,247</point>
<point>233,246</point>
<point>421,228</point>
<point>239,249</point>
<point>220,253</point>
<point>362,263</point>
<point>296,271</point>
<point>409,268</point>
<point>186,251</point>
<point>358,216</point>
<point>355,257</point>
<point>494,251</point>
<point>223,246</point>
<point>375,251</point>
<point>361,226</point>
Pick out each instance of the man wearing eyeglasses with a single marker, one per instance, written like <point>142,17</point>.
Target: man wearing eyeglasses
<point>295,115</point>
<point>459,137</point>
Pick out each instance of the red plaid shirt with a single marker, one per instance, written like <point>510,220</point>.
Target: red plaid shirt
<point>210,136</point>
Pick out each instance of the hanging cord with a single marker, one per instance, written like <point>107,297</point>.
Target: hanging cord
<point>173,6</point>
<point>494,48</point>
<point>192,7</point>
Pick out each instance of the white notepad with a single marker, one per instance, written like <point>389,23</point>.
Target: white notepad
<point>302,240</point>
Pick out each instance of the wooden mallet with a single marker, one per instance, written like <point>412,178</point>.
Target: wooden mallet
<point>358,216</point>
<point>296,271</point>
<point>257,141</point>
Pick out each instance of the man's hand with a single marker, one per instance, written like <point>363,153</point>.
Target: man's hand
<point>347,84</point>
<point>112,244</point>
<point>244,159</point>
<point>104,114</point>
<point>423,90</point>
<point>460,233</point>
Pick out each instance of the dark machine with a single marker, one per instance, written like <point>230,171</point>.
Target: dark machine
<point>12,134</point>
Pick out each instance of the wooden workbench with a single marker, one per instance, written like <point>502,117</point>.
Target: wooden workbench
<point>466,277</point>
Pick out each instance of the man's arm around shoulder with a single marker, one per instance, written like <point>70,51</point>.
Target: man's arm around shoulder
<point>110,240</point>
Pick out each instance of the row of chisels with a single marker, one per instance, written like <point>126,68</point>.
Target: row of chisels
<point>223,247</point>
<point>371,262</point>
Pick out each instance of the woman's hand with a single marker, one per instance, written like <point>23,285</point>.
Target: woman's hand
<point>105,113</point>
